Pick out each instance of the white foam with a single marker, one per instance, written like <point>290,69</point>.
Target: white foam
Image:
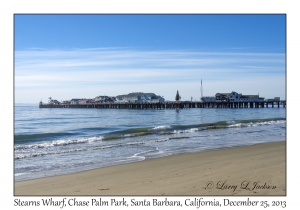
<point>192,130</point>
<point>238,125</point>
<point>59,143</point>
<point>251,124</point>
<point>19,174</point>
<point>162,127</point>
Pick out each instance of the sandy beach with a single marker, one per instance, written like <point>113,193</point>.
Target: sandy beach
<point>252,170</point>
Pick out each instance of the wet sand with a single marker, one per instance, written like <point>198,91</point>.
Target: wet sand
<point>251,170</point>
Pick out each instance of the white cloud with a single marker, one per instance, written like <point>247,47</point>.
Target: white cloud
<point>121,70</point>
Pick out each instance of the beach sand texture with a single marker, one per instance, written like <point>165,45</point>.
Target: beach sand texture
<point>251,170</point>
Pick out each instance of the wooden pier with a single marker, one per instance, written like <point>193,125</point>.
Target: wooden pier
<point>169,105</point>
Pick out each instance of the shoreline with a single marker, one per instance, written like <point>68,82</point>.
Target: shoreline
<point>147,159</point>
<point>258,169</point>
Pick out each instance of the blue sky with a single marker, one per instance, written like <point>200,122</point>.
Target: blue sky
<point>83,56</point>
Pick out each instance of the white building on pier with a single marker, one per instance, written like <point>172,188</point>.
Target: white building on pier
<point>233,97</point>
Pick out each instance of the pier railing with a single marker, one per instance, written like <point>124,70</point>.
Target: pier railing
<point>169,105</point>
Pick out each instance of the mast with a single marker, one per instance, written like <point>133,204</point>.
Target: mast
<point>201,91</point>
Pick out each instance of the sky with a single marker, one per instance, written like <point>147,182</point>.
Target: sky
<point>84,56</point>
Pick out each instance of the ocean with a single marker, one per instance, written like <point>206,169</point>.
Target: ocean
<point>49,142</point>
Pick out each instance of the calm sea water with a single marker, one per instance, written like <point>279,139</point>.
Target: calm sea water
<point>51,142</point>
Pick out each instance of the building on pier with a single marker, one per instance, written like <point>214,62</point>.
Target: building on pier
<point>233,97</point>
<point>104,99</point>
<point>80,101</point>
<point>238,97</point>
<point>139,97</point>
<point>276,99</point>
<point>53,101</point>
